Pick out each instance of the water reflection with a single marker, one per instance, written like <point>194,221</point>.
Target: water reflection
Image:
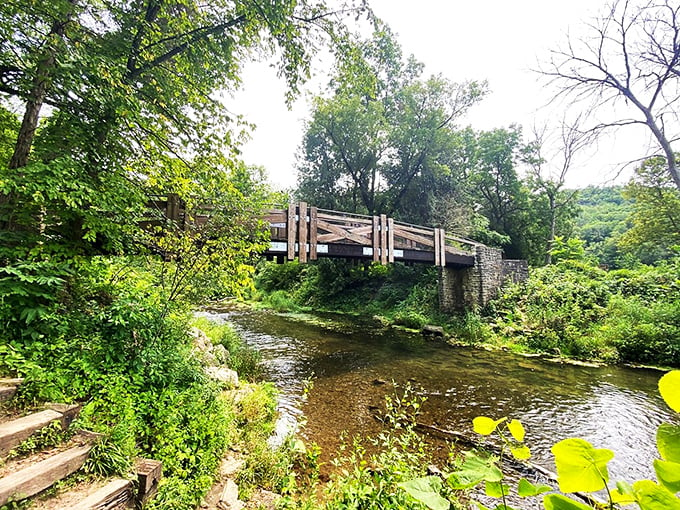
<point>612,407</point>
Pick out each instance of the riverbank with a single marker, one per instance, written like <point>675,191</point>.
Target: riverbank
<point>570,310</point>
<point>352,373</point>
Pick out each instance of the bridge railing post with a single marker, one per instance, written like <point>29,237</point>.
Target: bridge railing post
<point>313,232</point>
<point>291,227</point>
<point>376,238</point>
<point>302,232</point>
<point>383,239</point>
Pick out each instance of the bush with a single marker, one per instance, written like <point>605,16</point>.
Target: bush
<point>644,332</point>
<point>580,310</point>
<point>112,340</point>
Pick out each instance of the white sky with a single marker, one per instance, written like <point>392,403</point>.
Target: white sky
<point>495,40</point>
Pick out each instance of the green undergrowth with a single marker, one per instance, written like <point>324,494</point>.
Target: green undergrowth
<point>368,470</point>
<point>572,308</point>
<point>578,310</point>
<point>398,294</point>
<point>107,337</point>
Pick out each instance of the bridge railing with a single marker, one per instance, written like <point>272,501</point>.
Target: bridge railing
<point>309,231</point>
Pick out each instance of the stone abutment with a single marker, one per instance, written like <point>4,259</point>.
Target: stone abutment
<point>472,287</point>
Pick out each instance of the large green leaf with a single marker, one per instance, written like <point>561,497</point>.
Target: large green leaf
<point>521,452</point>
<point>517,430</point>
<point>485,426</point>
<point>526,489</point>
<point>580,466</point>
<point>561,502</point>
<point>668,473</point>
<point>473,471</point>
<point>651,496</point>
<point>426,490</point>
<point>496,489</point>
<point>669,387</point>
<point>668,442</point>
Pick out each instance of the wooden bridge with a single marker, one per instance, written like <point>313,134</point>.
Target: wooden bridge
<point>309,233</point>
<point>470,273</point>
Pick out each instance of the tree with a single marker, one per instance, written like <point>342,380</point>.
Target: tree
<point>380,142</point>
<point>655,219</point>
<point>629,63</point>
<point>498,191</point>
<point>547,174</point>
<point>130,86</point>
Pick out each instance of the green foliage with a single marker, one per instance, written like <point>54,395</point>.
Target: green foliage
<point>580,467</point>
<point>577,309</point>
<point>115,342</point>
<point>602,219</point>
<point>239,356</point>
<point>47,437</point>
<point>373,480</point>
<point>568,249</point>
<point>404,295</point>
<point>382,141</point>
<point>655,218</point>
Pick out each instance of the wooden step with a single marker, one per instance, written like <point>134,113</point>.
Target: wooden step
<point>38,477</point>
<point>11,381</point>
<point>14,432</point>
<point>7,392</point>
<point>118,493</point>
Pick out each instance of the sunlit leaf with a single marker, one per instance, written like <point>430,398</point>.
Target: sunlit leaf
<point>668,473</point>
<point>668,442</point>
<point>496,489</point>
<point>623,494</point>
<point>669,387</point>
<point>561,502</point>
<point>485,426</point>
<point>521,452</point>
<point>473,471</point>
<point>526,489</point>
<point>517,430</point>
<point>651,496</point>
<point>580,466</point>
<point>426,490</point>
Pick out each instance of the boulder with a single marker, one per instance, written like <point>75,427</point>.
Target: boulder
<point>221,354</point>
<point>200,340</point>
<point>436,331</point>
<point>229,498</point>
<point>264,499</point>
<point>222,374</point>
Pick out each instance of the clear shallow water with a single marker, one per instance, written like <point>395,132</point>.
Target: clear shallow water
<point>612,407</point>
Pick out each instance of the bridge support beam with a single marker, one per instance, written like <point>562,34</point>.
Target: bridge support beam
<point>473,287</point>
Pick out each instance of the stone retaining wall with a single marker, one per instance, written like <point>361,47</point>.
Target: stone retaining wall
<point>472,287</point>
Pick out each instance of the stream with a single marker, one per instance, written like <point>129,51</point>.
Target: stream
<point>352,365</point>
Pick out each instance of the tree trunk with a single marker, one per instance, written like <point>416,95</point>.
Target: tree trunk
<point>37,94</point>
<point>36,97</point>
<point>551,234</point>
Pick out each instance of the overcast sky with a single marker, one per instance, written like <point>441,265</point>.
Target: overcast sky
<point>494,40</point>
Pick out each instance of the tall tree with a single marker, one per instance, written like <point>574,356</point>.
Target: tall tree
<point>548,172</point>
<point>627,65</point>
<point>379,143</point>
<point>497,188</point>
<point>130,84</point>
<point>655,230</point>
